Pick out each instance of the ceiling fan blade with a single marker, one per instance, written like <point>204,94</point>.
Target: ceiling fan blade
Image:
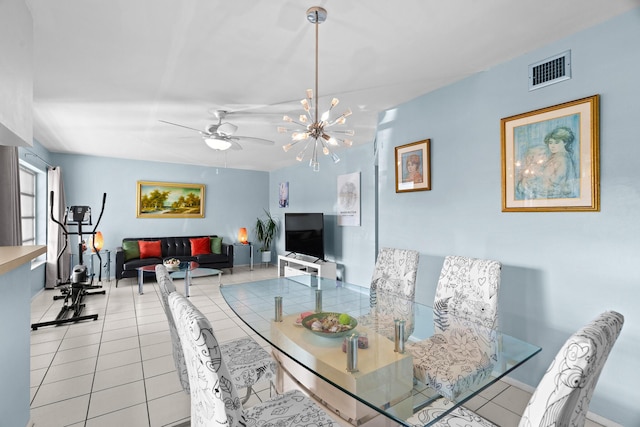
<point>183,126</point>
<point>234,144</point>
<point>256,140</point>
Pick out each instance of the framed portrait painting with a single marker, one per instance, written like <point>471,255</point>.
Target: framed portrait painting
<point>550,158</point>
<point>169,200</point>
<point>413,167</point>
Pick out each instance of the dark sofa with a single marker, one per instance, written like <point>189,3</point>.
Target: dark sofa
<point>172,247</point>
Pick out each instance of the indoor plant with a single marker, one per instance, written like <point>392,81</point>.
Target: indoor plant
<point>266,229</point>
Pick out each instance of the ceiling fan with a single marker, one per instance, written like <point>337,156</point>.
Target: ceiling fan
<point>220,136</point>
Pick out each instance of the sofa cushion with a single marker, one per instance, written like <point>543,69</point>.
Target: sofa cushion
<point>131,250</point>
<point>216,245</point>
<point>150,249</point>
<point>135,263</point>
<point>200,245</point>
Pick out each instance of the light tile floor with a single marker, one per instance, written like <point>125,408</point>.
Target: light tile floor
<point>118,370</point>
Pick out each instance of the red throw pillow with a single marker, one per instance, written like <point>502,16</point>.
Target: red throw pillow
<point>150,249</point>
<point>201,245</point>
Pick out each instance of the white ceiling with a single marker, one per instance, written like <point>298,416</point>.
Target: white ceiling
<point>107,71</point>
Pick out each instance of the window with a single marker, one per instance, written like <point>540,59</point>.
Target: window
<point>28,205</point>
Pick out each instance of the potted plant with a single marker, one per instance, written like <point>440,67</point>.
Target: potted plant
<point>266,229</point>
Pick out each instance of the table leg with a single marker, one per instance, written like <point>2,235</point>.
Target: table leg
<point>140,280</point>
<point>251,255</point>
<point>187,282</point>
<point>220,279</point>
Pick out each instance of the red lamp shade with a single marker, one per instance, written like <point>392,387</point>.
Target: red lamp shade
<point>98,242</point>
<point>242,236</point>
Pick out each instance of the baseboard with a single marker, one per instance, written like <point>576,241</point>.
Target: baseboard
<point>590,415</point>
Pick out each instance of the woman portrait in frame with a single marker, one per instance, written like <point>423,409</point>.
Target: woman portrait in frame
<point>550,158</point>
<point>413,167</point>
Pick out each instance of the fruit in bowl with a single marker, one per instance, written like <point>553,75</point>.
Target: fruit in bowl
<point>171,263</point>
<point>330,325</point>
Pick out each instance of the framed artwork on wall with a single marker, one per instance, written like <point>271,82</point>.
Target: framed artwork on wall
<point>413,167</point>
<point>550,158</point>
<point>169,200</point>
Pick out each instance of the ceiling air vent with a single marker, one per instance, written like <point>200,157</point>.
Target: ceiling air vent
<point>549,71</point>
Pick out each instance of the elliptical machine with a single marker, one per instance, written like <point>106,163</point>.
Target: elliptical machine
<point>76,287</point>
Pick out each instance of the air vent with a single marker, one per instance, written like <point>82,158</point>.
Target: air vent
<point>549,71</point>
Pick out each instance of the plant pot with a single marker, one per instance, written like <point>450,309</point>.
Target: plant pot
<point>266,256</point>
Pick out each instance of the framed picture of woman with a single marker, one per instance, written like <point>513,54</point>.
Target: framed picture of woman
<point>413,167</point>
<point>550,159</point>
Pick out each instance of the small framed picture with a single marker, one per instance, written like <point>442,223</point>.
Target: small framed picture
<point>550,159</point>
<point>413,167</point>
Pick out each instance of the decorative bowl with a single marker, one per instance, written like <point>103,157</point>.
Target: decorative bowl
<point>171,263</point>
<point>325,324</point>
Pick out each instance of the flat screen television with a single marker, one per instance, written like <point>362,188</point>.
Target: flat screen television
<point>304,234</point>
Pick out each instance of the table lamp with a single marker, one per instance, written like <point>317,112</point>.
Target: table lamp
<point>242,236</point>
<point>97,242</point>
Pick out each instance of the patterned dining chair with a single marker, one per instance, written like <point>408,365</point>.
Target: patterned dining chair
<point>392,293</point>
<point>462,351</point>
<point>214,398</point>
<point>563,395</point>
<point>248,362</point>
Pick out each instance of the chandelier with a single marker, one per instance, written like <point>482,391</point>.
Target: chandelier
<point>311,128</point>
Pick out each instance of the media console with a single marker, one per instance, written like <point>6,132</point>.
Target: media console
<point>297,266</point>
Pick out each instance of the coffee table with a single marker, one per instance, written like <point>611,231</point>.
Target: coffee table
<point>185,268</point>
<point>197,272</point>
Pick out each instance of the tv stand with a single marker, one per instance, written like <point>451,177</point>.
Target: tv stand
<point>299,265</point>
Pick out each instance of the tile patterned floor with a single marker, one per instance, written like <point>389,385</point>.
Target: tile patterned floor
<point>118,370</point>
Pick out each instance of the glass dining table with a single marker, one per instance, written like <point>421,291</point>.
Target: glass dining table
<point>375,378</point>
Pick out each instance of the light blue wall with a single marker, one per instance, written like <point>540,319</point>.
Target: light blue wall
<point>233,198</point>
<point>352,248</point>
<point>560,269</point>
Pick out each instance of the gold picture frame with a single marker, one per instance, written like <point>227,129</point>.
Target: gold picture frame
<point>413,167</point>
<point>169,200</point>
<point>550,158</point>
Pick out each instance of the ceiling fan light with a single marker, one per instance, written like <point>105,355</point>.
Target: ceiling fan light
<point>325,150</point>
<point>287,119</point>
<point>287,147</point>
<point>341,120</point>
<point>335,158</point>
<point>282,129</point>
<point>300,156</point>
<point>347,142</point>
<point>309,94</point>
<point>334,102</point>
<point>305,104</point>
<point>347,113</point>
<point>217,144</point>
<point>325,116</point>
<point>303,118</point>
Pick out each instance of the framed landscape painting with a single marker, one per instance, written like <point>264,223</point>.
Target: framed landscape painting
<point>550,158</point>
<point>413,167</point>
<point>169,200</point>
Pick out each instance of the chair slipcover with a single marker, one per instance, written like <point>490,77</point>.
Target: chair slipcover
<point>563,395</point>
<point>462,352</point>
<point>247,361</point>
<point>394,276</point>
<point>214,399</point>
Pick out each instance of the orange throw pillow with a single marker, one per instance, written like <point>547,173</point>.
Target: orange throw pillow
<point>201,245</point>
<point>150,249</point>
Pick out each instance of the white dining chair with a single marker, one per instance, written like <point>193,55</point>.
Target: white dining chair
<point>463,349</point>
<point>214,398</point>
<point>563,395</point>
<point>392,292</point>
<point>248,362</point>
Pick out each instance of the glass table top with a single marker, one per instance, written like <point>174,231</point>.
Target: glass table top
<point>384,380</point>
